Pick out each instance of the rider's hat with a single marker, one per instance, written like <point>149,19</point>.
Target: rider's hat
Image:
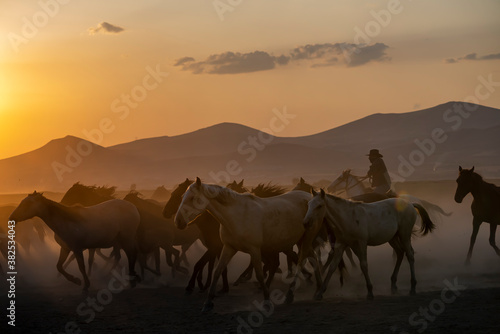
<point>374,153</point>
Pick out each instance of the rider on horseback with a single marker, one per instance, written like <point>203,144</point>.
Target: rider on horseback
<point>378,174</point>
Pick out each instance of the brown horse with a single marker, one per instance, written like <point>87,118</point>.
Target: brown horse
<point>485,206</point>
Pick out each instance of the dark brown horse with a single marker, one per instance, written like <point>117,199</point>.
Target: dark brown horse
<point>485,206</point>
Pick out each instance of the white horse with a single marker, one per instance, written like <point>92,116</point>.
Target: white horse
<point>252,225</point>
<point>356,190</point>
<point>358,225</point>
<point>111,223</point>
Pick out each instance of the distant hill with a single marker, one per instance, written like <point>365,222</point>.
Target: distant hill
<point>234,150</point>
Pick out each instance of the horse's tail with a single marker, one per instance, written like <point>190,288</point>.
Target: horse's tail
<point>436,208</point>
<point>427,224</point>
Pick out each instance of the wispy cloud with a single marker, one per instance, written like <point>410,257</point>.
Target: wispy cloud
<point>473,56</point>
<point>105,28</point>
<point>314,55</point>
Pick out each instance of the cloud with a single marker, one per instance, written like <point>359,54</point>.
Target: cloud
<point>315,55</point>
<point>105,28</point>
<point>231,63</point>
<point>473,56</point>
<point>366,54</point>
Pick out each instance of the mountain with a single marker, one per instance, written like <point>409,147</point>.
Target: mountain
<point>424,144</point>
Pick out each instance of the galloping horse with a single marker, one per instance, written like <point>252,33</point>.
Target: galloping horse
<point>111,223</point>
<point>156,232</point>
<point>485,206</point>
<point>250,224</point>
<point>357,191</point>
<point>358,225</point>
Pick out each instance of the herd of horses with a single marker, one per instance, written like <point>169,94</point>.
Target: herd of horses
<point>263,222</point>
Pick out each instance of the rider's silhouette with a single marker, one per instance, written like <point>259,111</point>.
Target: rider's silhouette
<point>378,174</point>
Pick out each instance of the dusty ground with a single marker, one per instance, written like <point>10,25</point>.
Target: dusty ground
<point>46,303</point>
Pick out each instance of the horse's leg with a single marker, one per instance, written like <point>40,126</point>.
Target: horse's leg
<point>101,254</point>
<point>348,252</point>
<point>225,282</point>
<point>273,265</point>
<point>71,258</point>
<point>361,252</point>
<point>246,275</point>
<point>81,266</point>
<point>475,228</point>
<point>411,260</point>
<point>256,257</point>
<point>493,229</point>
<point>131,252</point>
<point>116,254</point>
<point>211,263</point>
<point>337,253</point>
<point>184,249</point>
<point>226,255</point>
<point>197,268</point>
<point>397,247</point>
<point>291,258</point>
<point>91,260</point>
<point>63,255</point>
<point>177,263</point>
<point>156,254</point>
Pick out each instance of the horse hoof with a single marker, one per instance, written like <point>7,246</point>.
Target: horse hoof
<point>76,280</point>
<point>289,297</point>
<point>236,283</point>
<point>394,291</point>
<point>413,293</point>
<point>189,292</point>
<point>222,291</point>
<point>370,296</point>
<point>208,306</point>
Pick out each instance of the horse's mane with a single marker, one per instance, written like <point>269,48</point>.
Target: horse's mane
<point>69,213</point>
<point>136,196</point>
<point>489,185</point>
<point>224,195</point>
<point>268,190</point>
<point>104,191</point>
<point>341,200</point>
<point>179,190</point>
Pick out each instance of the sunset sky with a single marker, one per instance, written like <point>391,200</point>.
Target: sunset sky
<point>68,66</point>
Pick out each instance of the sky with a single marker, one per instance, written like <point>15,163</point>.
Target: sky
<point>118,70</point>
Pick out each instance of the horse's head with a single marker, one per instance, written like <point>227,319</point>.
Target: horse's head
<point>341,182</point>
<point>176,198</point>
<point>465,182</point>
<point>238,187</point>
<point>194,202</point>
<point>133,197</point>
<point>316,208</point>
<point>304,186</point>
<point>29,207</point>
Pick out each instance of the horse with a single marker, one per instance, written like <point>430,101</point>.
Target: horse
<point>156,232</point>
<point>358,225</point>
<point>271,261</point>
<point>324,236</point>
<point>111,223</point>
<point>209,228</point>
<point>80,194</point>
<point>250,224</point>
<point>357,191</point>
<point>485,206</point>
